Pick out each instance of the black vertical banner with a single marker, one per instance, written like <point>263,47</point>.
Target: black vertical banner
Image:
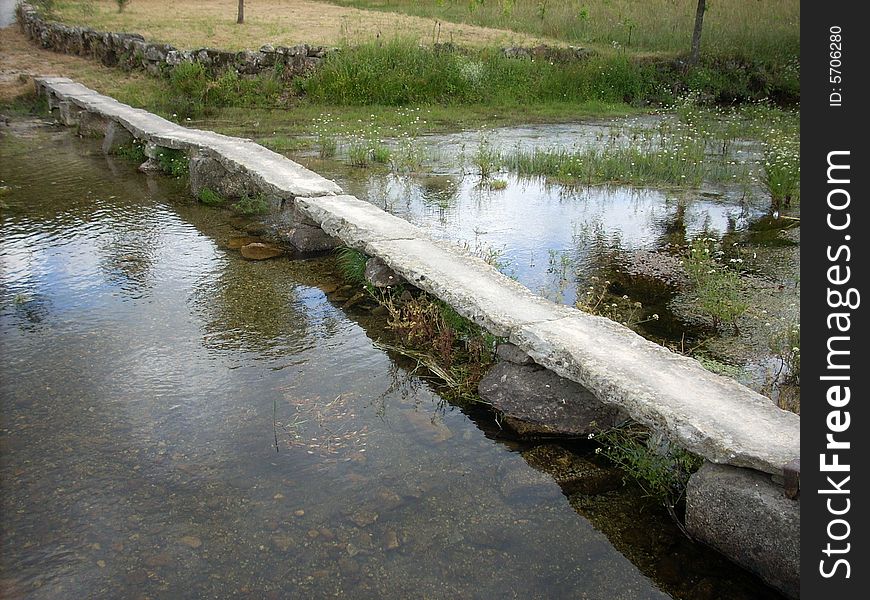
<point>835,358</point>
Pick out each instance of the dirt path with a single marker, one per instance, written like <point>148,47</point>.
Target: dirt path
<point>20,59</point>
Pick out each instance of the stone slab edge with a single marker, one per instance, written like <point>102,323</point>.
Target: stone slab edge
<point>275,174</point>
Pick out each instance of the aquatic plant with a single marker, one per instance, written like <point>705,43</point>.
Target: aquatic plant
<point>135,151</point>
<point>351,265</point>
<point>597,299</point>
<point>781,175</point>
<point>649,459</point>
<point>785,343</point>
<point>252,205</point>
<point>327,145</point>
<point>409,156</point>
<point>173,162</point>
<point>454,349</point>
<point>486,157</point>
<point>211,198</point>
<point>717,287</point>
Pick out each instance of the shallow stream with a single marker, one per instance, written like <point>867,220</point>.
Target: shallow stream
<point>178,422</point>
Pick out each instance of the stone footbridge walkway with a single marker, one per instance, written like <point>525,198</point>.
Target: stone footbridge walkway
<point>708,414</point>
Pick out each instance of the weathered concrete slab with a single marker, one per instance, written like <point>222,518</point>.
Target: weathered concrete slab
<point>747,518</point>
<point>355,221</point>
<point>710,415</point>
<point>275,174</point>
<point>472,287</point>
<point>713,416</point>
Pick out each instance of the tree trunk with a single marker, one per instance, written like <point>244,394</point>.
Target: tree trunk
<point>696,34</point>
<point>241,18</point>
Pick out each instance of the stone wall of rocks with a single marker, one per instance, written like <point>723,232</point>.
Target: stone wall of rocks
<point>132,52</point>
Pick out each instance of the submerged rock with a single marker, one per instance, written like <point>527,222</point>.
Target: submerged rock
<point>573,473</point>
<point>191,541</point>
<point>260,251</point>
<point>391,540</point>
<point>237,243</point>
<point>522,484</point>
<point>535,402</point>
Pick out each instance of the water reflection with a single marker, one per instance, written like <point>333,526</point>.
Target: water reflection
<point>529,221</point>
<point>140,422</point>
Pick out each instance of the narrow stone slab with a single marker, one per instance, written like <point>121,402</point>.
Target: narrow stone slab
<point>710,415</point>
<point>274,173</point>
<point>355,221</point>
<point>472,287</point>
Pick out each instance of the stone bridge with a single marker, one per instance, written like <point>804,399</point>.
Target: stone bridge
<point>733,502</point>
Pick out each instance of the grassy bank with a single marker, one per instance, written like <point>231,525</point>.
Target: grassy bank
<point>767,31</point>
<point>750,53</point>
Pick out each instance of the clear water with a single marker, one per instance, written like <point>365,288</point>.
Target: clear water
<point>547,236</point>
<point>147,373</point>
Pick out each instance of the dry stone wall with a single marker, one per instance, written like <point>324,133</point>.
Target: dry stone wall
<point>131,51</point>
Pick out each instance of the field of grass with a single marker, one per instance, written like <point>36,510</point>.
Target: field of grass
<point>388,58</point>
<point>767,30</point>
<point>400,72</point>
<point>212,23</point>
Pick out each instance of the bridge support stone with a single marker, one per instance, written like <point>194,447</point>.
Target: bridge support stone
<point>116,138</point>
<point>534,402</point>
<point>747,517</point>
<point>69,113</point>
<point>92,124</point>
<point>208,172</point>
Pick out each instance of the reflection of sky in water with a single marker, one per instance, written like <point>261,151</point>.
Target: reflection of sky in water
<point>529,219</point>
<point>531,222</point>
<point>145,406</point>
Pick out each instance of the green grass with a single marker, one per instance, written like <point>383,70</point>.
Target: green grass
<point>767,30</point>
<point>211,198</point>
<point>351,265</point>
<point>251,205</point>
<point>401,72</point>
<point>193,91</point>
